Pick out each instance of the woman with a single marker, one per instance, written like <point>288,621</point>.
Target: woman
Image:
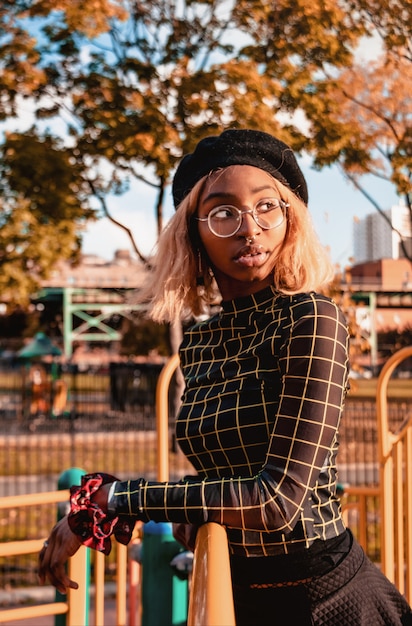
<point>265,381</point>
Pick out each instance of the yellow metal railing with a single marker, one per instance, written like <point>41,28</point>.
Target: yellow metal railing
<point>128,571</point>
<point>357,499</point>
<point>33,546</point>
<point>162,416</point>
<point>210,599</point>
<point>395,455</point>
<point>76,605</point>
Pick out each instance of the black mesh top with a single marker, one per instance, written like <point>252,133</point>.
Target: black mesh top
<point>265,385</point>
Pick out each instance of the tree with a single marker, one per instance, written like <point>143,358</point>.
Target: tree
<point>136,85</point>
<point>43,202</point>
<point>390,21</point>
<point>125,88</point>
<point>357,113</point>
<point>364,126</point>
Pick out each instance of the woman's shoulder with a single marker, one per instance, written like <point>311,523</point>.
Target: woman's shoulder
<point>312,303</point>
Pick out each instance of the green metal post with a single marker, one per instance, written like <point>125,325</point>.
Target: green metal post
<point>164,594</point>
<point>67,322</point>
<point>373,339</point>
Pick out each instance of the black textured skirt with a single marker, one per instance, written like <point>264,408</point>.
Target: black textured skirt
<point>353,593</point>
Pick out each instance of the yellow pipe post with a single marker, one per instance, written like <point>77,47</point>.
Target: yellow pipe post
<point>162,417</point>
<point>211,596</point>
<point>77,598</point>
<point>99,563</point>
<point>121,585</point>
<point>386,440</point>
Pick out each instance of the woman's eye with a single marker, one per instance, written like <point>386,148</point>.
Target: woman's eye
<point>268,205</point>
<point>223,213</point>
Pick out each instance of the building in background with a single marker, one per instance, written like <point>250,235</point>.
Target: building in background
<point>388,283</point>
<point>381,293</point>
<point>380,281</point>
<point>376,238</point>
<point>94,297</point>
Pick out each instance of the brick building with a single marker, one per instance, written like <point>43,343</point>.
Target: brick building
<point>388,283</point>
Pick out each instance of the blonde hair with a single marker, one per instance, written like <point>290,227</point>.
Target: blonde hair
<point>172,290</point>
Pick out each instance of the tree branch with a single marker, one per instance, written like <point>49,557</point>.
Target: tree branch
<point>116,222</point>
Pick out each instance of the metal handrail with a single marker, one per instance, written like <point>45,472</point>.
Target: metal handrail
<point>76,605</point>
<point>74,610</point>
<point>210,600</point>
<point>211,596</point>
<point>162,416</point>
<point>360,505</point>
<point>395,459</point>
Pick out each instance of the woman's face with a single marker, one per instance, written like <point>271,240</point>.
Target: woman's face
<point>241,266</point>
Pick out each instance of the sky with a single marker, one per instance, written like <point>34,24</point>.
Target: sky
<point>333,202</point>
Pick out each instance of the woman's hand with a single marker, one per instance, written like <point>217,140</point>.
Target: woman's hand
<point>61,545</point>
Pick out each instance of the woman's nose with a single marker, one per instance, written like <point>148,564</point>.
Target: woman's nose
<point>248,225</point>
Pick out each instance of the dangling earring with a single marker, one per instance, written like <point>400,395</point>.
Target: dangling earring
<point>200,279</point>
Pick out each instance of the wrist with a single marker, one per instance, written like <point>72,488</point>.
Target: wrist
<point>110,502</point>
<point>100,497</point>
<point>89,518</point>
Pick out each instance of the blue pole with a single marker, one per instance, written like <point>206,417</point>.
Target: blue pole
<point>69,477</point>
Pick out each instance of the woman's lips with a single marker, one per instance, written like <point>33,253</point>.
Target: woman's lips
<point>251,256</point>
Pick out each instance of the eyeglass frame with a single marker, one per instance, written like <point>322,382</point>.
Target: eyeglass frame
<point>283,205</point>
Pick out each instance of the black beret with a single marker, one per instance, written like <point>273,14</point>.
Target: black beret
<point>239,147</point>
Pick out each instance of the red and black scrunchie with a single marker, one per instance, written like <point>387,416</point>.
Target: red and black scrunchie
<point>87,520</point>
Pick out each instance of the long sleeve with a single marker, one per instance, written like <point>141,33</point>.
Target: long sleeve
<point>264,452</point>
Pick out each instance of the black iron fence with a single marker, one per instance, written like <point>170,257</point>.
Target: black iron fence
<point>97,419</point>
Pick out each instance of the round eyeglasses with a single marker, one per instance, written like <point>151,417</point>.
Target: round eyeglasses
<point>225,219</point>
